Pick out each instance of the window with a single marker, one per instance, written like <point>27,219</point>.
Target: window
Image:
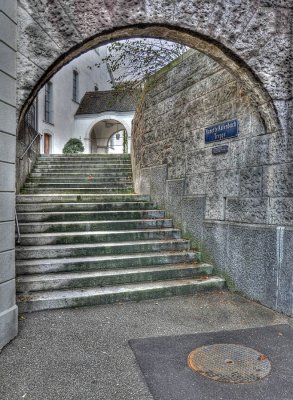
<point>31,116</point>
<point>75,86</point>
<point>49,102</point>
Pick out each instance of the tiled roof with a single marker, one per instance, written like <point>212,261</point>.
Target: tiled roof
<point>102,101</point>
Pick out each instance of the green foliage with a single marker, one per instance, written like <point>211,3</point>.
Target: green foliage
<point>73,146</point>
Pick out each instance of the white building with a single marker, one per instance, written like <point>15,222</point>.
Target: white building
<point>104,118</point>
<point>102,129</point>
<point>79,102</point>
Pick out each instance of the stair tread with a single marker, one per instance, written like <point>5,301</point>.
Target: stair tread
<point>67,194</point>
<point>73,293</point>
<point>103,244</point>
<point>25,198</point>
<point>59,192</point>
<point>89,203</point>
<point>110,222</point>
<point>80,182</point>
<point>88,212</point>
<point>110,272</point>
<point>97,233</point>
<point>71,260</point>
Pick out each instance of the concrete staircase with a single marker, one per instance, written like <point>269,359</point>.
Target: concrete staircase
<point>87,239</point>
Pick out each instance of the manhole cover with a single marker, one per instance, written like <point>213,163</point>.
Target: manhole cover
<point>229,363</point>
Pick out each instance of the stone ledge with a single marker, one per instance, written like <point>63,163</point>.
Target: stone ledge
<point>7,266</point>
<point>8,325</point>
<point>9,8</point>
<point>7,31</point>
<point>7,295</point>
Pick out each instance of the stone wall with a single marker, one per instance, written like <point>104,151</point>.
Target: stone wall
<point>237,207</point>
<point>253,39</point>
<point>8,309</point>
<point>27,152</point>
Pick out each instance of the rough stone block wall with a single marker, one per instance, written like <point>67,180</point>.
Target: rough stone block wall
<point>256,37</point>
<point>25,159</point>
<point>232,205</point>
<point>8,309</point>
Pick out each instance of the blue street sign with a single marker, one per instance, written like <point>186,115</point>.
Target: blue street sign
<point>224,130</point>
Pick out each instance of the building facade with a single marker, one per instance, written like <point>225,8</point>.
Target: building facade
<point>58,101</point>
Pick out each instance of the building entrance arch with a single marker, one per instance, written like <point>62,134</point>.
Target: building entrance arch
<point>107,136</point>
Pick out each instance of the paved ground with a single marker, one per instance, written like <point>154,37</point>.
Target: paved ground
<point>83,354</point>
<point>163,361</point>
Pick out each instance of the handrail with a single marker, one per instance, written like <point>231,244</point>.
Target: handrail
<point>17,226</point>
<point>30,145</point>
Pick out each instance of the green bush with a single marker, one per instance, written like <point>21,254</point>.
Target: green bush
<point>73,146</point>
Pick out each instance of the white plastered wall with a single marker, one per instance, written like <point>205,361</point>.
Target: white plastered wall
<point>64,108</point>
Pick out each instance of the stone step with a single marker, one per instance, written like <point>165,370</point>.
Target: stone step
<point>83,165</point>
<point>108,206</point>
<point>46,227</point>
<point>80,184</point>
<point>77,264</point>
<point>99,249</point>
<point>50,173</point>
<point>119,156</point>
<point>79,175</point>
<point>76,190</point>
<point>89,215</point>
<point>43,239</point>
<point>66,198</point>
<point>38,301</point>
<point>33,283</point>
<point>80,170</point>
<point>76,168</point>
<point>82,179</point>
<point>87,239</point>
<point>84,156</point>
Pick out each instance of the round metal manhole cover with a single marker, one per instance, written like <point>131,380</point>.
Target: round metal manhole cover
<point>229,363</point>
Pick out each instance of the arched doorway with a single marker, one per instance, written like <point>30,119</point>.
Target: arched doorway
<point>108,136</point>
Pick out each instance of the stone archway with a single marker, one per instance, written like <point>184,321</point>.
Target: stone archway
<point>253,41</point>
<point>102,132</point>
<point>241,53</point>
<point>231,61</point>
<point>87,124</point>
<point>255,37</point>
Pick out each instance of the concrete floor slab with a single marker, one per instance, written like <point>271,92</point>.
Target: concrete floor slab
<point>83,353</point>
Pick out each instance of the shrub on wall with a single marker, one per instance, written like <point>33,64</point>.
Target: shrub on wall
<point>73,146</point>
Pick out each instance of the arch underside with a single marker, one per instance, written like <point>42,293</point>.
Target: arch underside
<point>231,62</point>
